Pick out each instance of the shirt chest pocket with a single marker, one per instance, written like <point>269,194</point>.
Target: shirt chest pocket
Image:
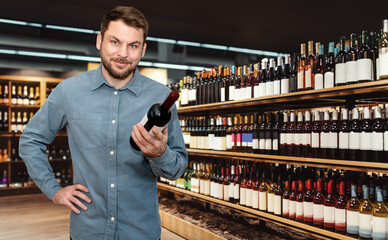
<point>86,129</point>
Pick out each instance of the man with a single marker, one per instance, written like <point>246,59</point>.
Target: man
<point>115,193</point>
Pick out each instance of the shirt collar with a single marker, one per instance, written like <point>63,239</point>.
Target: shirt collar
<point>134,85</point>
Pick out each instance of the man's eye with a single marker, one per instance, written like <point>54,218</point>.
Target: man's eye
<point>133,46</point>
<point>115,42</point>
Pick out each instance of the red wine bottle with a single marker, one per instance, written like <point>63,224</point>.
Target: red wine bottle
<point>157,116</point>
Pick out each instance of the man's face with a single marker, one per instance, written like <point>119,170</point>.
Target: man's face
<point>121,49</point>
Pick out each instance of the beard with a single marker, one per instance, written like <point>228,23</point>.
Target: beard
<point>119,75</point>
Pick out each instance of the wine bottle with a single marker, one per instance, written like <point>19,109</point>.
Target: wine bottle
<point>263,191</point>
<point>278,76</point>
<point>256,80</point>
<point>230,174</point>
<point>238,92</point>
<point>220,185</point>
<point>325,135</point>
<point>249,189</point>
<point>262,130</point>
<point>268,134</point>
<point>25,96</point>
<point>271,193</point>
<point>294,73</point>
<point>318,203</point>
<point>286,199</point>
<point>157,116</point>
<point>365,215</point>
<point>245,94</point>
<point>269,88</point>
<point>19,96</point>
<point>299,202</point>
<point>292,201</point>
<point>276,133</point>
<point>243,186</point>
<point>340,210</point>
<point>351,61</point>
<point>211,131</point>
<point>226,183</point>
<point>255,133</point>
<point>284,135</point>
<point>309,67</point>
<point>374,51</point>
<point>340,64</point>
<point>343,136</point>
<point>308,198</point>
<point>291,135</point>
<point>385,135</point>
<point>364,60</point>
<point>5,95</point>
<point>329,207</point>
<point>286,74</point>
<point>301,68</point>
<point>263,79</point>
<point>299,136</point>
<point>244,135</point>
<point>306,139</point>
<point>380,214</point>
<point>5,122</point>
<point>13,95</point>
<point>194,180</point>
<point>236,186</point>
<point>320,69</point>
<point>278,196</point>
<point>19,123</point>
<point>333,136</point>
<point>255,190</point>
<point>223,86</point>
<point>232,84</point>
<point>250,81</point>
<point>366,137</point>
<point>329,68</point>
<point>315,136</point>
<point>383,52</point>
<point>229,135</point>
<point>354,136</point>
<point>377,137</point>
<point>352,213</point>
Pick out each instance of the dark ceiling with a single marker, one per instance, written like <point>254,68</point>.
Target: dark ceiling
<point>266,25</point>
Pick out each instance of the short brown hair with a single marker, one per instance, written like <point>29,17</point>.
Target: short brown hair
<point>130,15</point>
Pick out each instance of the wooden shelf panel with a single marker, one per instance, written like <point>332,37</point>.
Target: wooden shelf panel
<point>314,162</point>
<point>328,96</point>
<point>25,106</point>
<point>262,215</point>
<point>16,78</point>
<point>8,134</point>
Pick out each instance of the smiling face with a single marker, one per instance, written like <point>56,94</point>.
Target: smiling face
<point>121,49</point>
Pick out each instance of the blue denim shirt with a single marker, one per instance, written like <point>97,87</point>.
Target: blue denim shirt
<point>121,181</point>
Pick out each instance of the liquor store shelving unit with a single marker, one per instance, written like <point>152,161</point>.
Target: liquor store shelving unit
<point>348,95</point>
<point>7,137</point>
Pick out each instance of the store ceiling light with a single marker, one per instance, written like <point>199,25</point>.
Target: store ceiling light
<point>153,39</point>
<point>96,59</point>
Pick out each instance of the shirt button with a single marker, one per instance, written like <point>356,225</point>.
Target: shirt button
<point>115,92</point>
<point>113,121</point>
<point>112,185</point>
<point>111,152</point>
<point>112,219</point>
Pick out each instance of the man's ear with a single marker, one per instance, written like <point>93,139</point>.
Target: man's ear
<point>144,49</point>
<point>98,41</point>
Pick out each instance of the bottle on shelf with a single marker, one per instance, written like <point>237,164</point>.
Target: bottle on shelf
<point>377,137</point>
<point>269,89</point>
<point>263,192</point>
<point>364,60</point>
<point>286,74</point>
<point>320,70</point>
<point>351,61</point>
<point>301,68</point>
<point>366,136</point>
<point>263,79</point>
<point>286,198</point>
<point>379,216</point>
<point>329,80</point>
<point>318,205</point>
<point>329,207</point>
<point>310,68</point>
<point>278,76</point>
<point>340,210</point>
<point>308,198</point>
<point>365,215</point>
<point>340,64</point>
<point>383,52</point>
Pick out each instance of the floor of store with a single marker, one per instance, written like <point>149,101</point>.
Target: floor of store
<point>35,217</point>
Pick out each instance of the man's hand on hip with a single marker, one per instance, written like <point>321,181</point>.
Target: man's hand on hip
<point>69,195</point>
<point>151,146</point>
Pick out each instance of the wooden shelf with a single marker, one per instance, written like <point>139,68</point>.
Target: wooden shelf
<point>53,160</point>
<point>15,78</point>
<point>4,105</point>
<point>8,134</point>
<point>360,92</point>
<point>25,106</point>
<point>314,162</point>
<point>259,214</point>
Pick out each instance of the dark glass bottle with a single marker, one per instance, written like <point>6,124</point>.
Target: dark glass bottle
<point>306,140</point>
<point>286,198</point>
<point>329,67</point>
<point>343,136</point>
<point>232,84</point>
<point>374,51</point>
<point>285,77</point>
<point>351,61</point>
<point>354,136</point>
<point>366,136</point>
<point>269,88</point>
<point>377,136</point>
<point>283,135</point>
<point>278,77</point>
<point>299,133</point>
<point>294,73</point>
<point>340,64</point>
<point>269,134</point>
<point>364,60</point>
<point>301,68</point>
<point>333,142</point>
<point>320,69</point>
<point>262,130</point>
<point>340,210</point>
<point>316,136</point>
<point>276,133</point>
<point>263,79</point>
<point>318,204</point>
<point>291,135</point>
<point>325,135</point>
<point>255,133</point>
<point>293,200</point>
<point>329,207</point>
<point>308,198</point>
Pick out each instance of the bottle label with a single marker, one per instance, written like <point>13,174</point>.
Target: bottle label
<point>222,94</point>
<point>290,138</point>
<point>220,191</point>
<point>255,143</point>
<point>237,94</point>
<point>238,139</point>
<point>299,210</point>
<point>216,190</point>
<point>268,144</point>
<point>300,78</point>
<point>298,138</point>
<point>277,208</point>
<point>386,141</point>
<point>255,199</point>
<point>365,227</point>
<point>275,144</point>
<point>223,143</point>
<point>314,140</point>
<point>229,143</point>
<point>276,87</point>
<point>250,140</point>
<point>364,69</point>
<point>366,141</point>
<point>378,68</point>
<point>211,141</point>
<point>352,222</point>
<point>270,202</point>
<point>256,91</point>
<point>201,186</point>
<point>308,209</point>
<point>351,71</point>
<point>285,86</point>
<point>292,208</point>
<point>262,89</point>
<point>329,80</point>
<point>248,92</point>
<point>269,89</point>
<point>231,92</point>
<point>377,141</point>
<point>286,207</point>
<point>379,228</point>
<point>343,140</point>
<point>144,120</point>
<point>226,192</point>
<point>243,196</point>
<point>207,187</point>
<point>340,73</point>
<point>212,187</point>
<point>190,95</point>
<point>318,212</point>
<point>244,139</point>
<point>308,77</point>
<point>283,138</point>
<point>333,140</point>
<point>318,81</point>
<point>325,140</point>
<point>306,139</point>
<point>328,214</point>
<point>184,99</point>
<point>236,191</point>
<point>340,216</point>
<point>249,197</point>
<point>354,140</point>
<point>263,201</point>
<point>262,144</point>
<point>383,64</point>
